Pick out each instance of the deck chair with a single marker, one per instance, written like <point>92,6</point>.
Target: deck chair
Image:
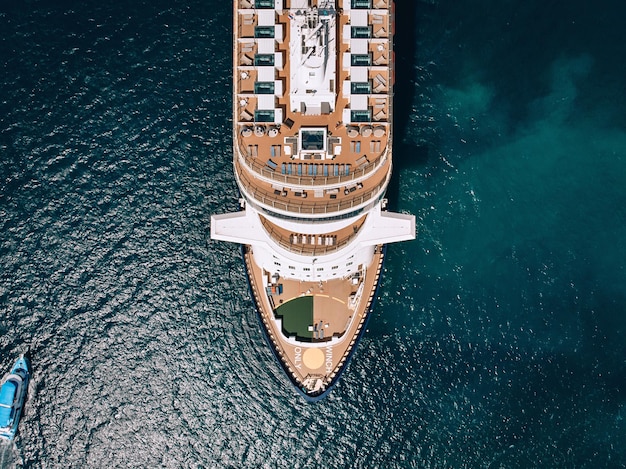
<point>380,115</point>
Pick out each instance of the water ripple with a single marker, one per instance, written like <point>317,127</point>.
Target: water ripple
<point>488,347</point>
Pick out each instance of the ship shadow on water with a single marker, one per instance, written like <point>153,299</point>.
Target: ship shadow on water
<point>406,154</point>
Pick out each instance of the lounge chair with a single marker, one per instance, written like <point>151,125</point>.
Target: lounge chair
<point>380,115</point>
<point>245,115</point>
<point>380,60</point>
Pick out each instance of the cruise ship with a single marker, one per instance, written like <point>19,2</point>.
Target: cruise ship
<point>312,155</point>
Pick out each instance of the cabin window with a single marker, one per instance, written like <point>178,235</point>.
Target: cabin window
<point>264,87</point>
<point>361,116</point>
<point>361,32</point>
<point>361,60</point>
<point>264,32</point>
<point>361,87</point>
<point>361,4</point>
<point>264,60</point>
<point>264,115</point>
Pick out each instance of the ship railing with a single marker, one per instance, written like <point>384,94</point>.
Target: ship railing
<point>259,166</point>
<point>287,204</point>
<point>266,320</point>
<point>362,320</point>
<point>305,248</point>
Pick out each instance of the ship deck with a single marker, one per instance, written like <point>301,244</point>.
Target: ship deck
<point>315,361</point>
<point>268,160</point>
<point>313,145</point>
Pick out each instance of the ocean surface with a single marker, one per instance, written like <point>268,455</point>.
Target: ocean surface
<point>498,340</point>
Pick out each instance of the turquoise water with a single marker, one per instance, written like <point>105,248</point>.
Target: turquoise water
<point>497,340</point>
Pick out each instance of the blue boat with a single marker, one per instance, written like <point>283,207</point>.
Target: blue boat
<point>12,397</point>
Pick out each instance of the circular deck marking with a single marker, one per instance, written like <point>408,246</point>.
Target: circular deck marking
<point>313,358</point>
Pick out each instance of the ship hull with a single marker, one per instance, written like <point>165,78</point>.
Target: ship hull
<point>312,158</point>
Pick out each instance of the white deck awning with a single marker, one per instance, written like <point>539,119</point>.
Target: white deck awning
<point>266,73</point>
<point>266,46</point>
<point>266,17</point>
<point>359,46</point>
<point>237,227</point>
<point>266,101</point>
<point>346,34</point>
<point>358,74</point>
<point>278,87</point>
<point>358,17</point>
<point>358,102</point>
<point>387,227</point>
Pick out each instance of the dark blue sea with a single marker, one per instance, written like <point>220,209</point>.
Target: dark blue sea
<point>498,340</point>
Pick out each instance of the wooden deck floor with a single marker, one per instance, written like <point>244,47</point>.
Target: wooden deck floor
<point>332,307</point>
<point>265,146</point>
